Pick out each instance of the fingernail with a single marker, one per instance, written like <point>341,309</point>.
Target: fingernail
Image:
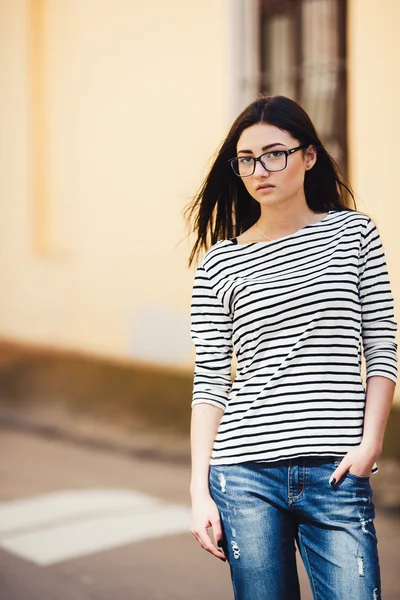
<point>332,481</point>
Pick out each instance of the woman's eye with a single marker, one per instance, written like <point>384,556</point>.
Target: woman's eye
<point>243,160</point>
<point>275,154</point>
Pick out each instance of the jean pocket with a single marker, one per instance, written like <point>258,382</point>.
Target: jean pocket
<point>358,477</point>
<point>336,463</point>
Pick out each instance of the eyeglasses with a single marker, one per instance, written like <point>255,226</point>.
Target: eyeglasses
<point>274,160</point>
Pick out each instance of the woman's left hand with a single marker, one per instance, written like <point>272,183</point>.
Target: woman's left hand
<point>358,460</point>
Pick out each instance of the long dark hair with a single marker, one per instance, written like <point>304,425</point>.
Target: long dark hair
<point>222,207</point>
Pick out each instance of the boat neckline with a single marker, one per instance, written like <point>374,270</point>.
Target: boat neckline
<point>236,243</point>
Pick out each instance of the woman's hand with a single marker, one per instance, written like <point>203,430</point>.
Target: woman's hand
<point>357,461</point>
<point>205,514</point>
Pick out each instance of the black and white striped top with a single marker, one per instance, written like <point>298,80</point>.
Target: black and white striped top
<point>295,311</point>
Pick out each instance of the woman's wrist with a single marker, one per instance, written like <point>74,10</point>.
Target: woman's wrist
<point>199,490</point>
<point>372,448</point>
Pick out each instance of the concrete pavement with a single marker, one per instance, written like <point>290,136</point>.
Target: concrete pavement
<point>170,566</point>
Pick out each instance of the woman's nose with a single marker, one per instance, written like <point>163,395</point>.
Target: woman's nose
<point>260,169</point>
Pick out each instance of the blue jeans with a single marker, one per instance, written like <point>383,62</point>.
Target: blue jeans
<point>266,507</point>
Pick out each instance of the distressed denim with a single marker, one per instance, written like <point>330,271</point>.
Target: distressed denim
<point>266,507</point>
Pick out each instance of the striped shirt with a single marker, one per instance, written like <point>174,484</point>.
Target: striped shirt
<point>295,311</point>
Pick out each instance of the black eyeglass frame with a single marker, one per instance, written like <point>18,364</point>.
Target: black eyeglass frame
<point>285,152</point>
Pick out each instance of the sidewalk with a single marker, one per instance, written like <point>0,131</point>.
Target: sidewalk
<point>58,422</point>
<point>140,441</point>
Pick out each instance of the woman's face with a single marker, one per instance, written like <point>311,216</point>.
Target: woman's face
<point>287,184</point>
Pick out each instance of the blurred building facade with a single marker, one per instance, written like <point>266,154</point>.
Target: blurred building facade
<point>110,114</point>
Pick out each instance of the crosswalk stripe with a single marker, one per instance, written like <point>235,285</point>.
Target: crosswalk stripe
<point>65,525</point>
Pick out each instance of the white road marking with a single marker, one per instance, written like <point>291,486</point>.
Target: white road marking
<point>65,525</point>
<point>56,506</point>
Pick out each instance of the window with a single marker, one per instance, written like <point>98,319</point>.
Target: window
<point>303,56</point>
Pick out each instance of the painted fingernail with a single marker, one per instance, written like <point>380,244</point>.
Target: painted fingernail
<point>332,481</point>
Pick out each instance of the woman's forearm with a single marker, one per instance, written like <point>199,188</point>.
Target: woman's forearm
<point>379,398</point>
<point>203,430</point>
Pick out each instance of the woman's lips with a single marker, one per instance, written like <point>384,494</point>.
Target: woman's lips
<point>267,188</point>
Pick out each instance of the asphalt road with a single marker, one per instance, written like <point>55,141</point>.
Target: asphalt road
<point>83,524</point>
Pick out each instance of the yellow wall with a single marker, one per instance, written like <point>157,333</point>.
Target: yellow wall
<point>110,110</point>
<point>92,248</point>
<point>374,123</point>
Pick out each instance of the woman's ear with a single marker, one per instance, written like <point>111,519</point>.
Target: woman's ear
<point>310,157</point>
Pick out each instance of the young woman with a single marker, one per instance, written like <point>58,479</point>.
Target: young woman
<point>282,456</point>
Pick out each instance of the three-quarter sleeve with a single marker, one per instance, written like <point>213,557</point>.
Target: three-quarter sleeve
<point>211,333</point>
<point>377,306</point>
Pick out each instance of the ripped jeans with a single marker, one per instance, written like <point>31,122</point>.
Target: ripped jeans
<point>266,507</point>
